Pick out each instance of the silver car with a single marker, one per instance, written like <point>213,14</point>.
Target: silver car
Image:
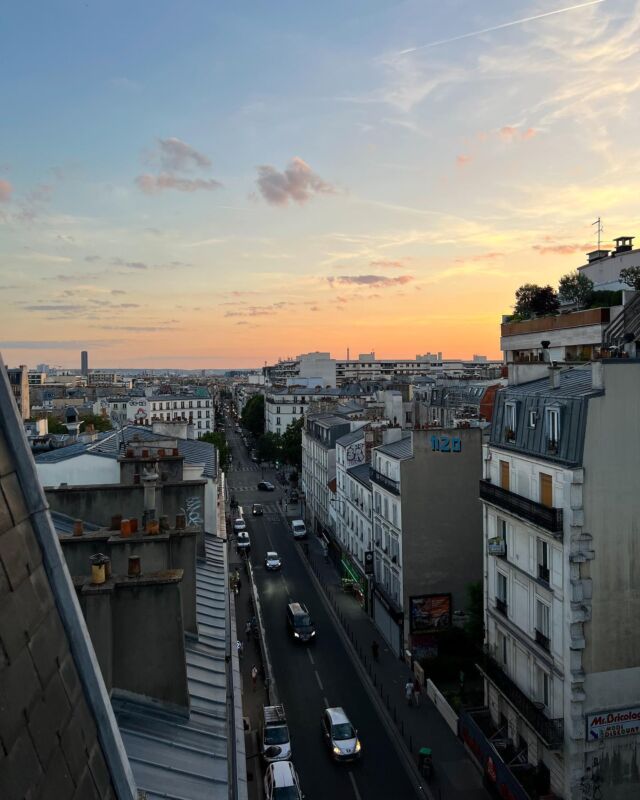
<point>340,736</point>
<point>272,560</point>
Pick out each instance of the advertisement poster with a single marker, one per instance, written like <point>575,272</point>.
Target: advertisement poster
<point>429,612</point>
<point>611,724</point>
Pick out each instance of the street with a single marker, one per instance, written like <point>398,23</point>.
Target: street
<point>310,678</point>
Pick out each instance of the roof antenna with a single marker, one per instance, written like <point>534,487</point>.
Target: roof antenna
<point>599,229</point>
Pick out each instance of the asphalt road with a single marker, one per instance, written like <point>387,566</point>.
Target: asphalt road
<point>312,677</point>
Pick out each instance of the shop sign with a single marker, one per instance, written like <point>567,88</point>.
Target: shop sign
<point>611,724</point>
<point>496,547</point>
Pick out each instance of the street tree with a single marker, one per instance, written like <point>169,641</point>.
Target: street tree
<point>253,415</point>
<point>218,439</point>
<point>269,447</point>
<point>292,443</point>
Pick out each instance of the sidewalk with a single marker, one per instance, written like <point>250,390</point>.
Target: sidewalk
<point>456,778</point>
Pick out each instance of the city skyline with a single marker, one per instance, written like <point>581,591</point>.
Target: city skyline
<point>221,188</point>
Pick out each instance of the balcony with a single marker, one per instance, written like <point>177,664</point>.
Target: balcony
<point>556,322</point>
<point>384,481</point>
<point>543,516</point>
<point>543,640</point>
<point>551,731</point>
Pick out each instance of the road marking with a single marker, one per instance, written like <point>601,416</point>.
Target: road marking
<point>355,786</point>
<point>286,588</point>
<point>319,681</point>
<point>310,657</point>
<point>326,702</point>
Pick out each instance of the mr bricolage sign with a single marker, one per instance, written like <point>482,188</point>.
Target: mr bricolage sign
<point>609,724</point>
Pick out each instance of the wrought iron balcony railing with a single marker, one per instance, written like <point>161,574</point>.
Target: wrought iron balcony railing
<point>384,481</point>
<point>545,517</point>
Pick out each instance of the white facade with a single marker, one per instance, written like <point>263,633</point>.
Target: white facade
<point>199,410</point>
<point>354,512</point>
<point>604,266</point>
<point>281,408</point>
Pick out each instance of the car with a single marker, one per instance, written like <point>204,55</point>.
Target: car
<point>239,525</point>
<point>243,542</point>
<point>299,529</point>
<point>339,735</point>
<point>272,560</point>
<point>299,623</point>
<point>294,496</point>
<point>257,510</point>
<point>275,739</point>
<point>254,457</point>
<point>266,486</point>
<point>281,782</point>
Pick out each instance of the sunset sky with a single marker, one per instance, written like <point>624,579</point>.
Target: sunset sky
<point>207,184</point>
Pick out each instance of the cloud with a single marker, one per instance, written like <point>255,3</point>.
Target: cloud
<point>118,291</point>
<point>463,160</point>
<point>66,308</point>
<point>380,281</point>
<point>92,259</point>
<point>118,262</point>
<point>180,156</point>
<point>297,183</point>
<point>154,184</point>
<point>482,257</point>
<point>385,263</point>
<point>509,133</point>
<point>563,249</point>
<point>5,191</point>
<point>137,328</point>
<point>54,344</point>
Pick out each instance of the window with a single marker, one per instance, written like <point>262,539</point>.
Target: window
<point>542,686</point>
<point>504,474</point>
<point>277,409</point>
<point>501,649</point>
<point>277,420</point>
<point>553,428</point>
<point>376,497</point>
<point>501,592</point>
<point>182,404</point>
<point>533,419</point>
<point>510,421</point>
<point>394,514</point>
<point>546,490</point>
<point>543,560</point>
<point>542,624</point>
<point>386,508</point>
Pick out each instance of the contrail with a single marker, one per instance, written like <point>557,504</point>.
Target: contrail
<point>499,27</point>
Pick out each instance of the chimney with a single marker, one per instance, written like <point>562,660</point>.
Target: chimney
<point>597,375</point>
<point>134,570</point>
<point>149,478</point>
<point>554,376</point>
<point>181,522</point>
<point>125,528</point>
<point>116,519</point>
<point>164,523</point>
<point>391,435</point>
<point>546,355</point>
<point>98,569</point>
<point>78,527</point>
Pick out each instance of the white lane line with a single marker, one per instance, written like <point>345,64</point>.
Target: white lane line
<point>355,786</point>
<point>286,588</point>
<point>319,681</point>
<point>326,702</point>
<point>310,657</point>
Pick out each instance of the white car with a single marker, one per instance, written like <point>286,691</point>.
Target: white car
<point>281,782</point>
<point>239,525</point>
<point>339,735</point>
<point>272,560</point>
<point>243,542</point>
<point>299,529</point>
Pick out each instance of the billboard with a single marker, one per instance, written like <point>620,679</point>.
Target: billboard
<point>429,612</point>
<point>611,724</point>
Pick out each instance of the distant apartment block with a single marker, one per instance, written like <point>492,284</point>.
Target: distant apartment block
<point>19,382</point>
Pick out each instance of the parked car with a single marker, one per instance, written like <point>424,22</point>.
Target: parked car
<point>243,542</point>
<point>281,782</point>
<point>299,623</point>
<point>272,560</point>
<point>339,735</point>
<point>257,510</point>
<point>266,486</point>
<point>254,455</point>
<point>239,525</point>
<point>275,744</point>
<point>294,497</point>
<point>299,529</point>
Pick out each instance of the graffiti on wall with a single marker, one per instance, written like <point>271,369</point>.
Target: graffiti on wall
<point>191,511</point>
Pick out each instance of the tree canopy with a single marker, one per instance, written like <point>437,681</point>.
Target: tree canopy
<point>533,300</point>
<point>253,415</point>
<point>575,287</point>
<point>631,276</point>
<point>292,443</point>
<point>219,439</point>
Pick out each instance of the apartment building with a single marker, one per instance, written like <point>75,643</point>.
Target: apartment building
<point>196,407</point>
<point>560,514</point>
<point>427,531</point>
<point>452,404</point>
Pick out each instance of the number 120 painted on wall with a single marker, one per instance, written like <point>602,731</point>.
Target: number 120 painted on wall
<point>446,444</point>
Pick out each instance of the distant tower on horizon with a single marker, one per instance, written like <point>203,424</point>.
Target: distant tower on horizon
<point>84,363</point>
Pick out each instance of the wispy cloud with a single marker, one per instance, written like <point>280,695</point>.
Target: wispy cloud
<point>154,184</point>
<point>5,191</point>
<point>386,263</point>
<point>177,155</point>
<point>463,160</point>
<point>53,344</point>
<point>563,249</point>
<point>297,183</point>
<point>119,262</point>
<point>62,308</point>
<point>381,281</point>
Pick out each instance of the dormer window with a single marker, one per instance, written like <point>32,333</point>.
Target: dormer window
<point>533,419</point>
<point>553,429</point>
<point>510,421</point>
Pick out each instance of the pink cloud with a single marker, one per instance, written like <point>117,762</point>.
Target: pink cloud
<point>562,249</point>
<point>154,184</point>
<point>511,134</point>
<point>463,160</point>
<point>385,263</point>
<point>5,191</point>
<point>379,281</point>
<point>482,257</point>
<point>297,183</point>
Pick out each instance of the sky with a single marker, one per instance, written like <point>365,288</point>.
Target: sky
<point>205,184</point>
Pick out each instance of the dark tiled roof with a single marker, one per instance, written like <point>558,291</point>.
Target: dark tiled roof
<point>350,438</point>
<point>69,451</point>
<point>362,474</point>
<point>403,448</point>
<point>574,382</point>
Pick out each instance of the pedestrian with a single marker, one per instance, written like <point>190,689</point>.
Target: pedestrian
<point>240,648</point>
<point>375,649</point>
<point>238,582</point>
<point>408,692</point>
<point>254,677</point>
<point>247,629</point>
<point>417,691</point>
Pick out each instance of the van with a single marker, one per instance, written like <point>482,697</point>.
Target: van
<point>299,529</point>
<point>299,623</point>
<point>274,735</point>
<point>281,781</point>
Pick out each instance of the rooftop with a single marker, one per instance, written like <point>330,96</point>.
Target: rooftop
<point>362,474</point>
<point>351,438</point>
<point>403,448</point>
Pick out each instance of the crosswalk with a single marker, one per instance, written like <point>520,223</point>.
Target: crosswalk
<point>268,508</point>
<point>249,468</point>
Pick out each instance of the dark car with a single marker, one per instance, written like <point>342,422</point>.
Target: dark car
<point>299,623</point>
<point>266,486</point>
<point>257,510</point>
<point>294,496</point>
